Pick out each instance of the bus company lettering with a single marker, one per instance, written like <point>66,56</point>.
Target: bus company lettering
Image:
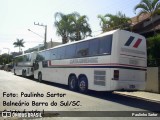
<point>84,60</point>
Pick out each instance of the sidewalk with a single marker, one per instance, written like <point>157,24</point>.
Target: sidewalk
<point>155,97</point>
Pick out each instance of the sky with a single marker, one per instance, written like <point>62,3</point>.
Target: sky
<point>17,16</point>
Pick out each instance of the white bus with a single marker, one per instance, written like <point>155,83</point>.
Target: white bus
<point>23,64</point>
<point>111,61</point>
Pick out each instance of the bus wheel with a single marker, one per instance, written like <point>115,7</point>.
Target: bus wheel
<point>83,84</point>
<point>24,73</point>
<point>40,77</point>
<point>72,83</point>
<point>14,72</point>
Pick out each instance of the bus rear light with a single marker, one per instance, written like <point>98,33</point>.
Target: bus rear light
<point>116,75</point>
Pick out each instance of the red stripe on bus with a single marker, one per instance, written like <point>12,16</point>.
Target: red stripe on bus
<point>137,43</point>
<point>114,64</point>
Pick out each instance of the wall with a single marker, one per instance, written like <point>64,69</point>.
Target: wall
<point>153,79</point>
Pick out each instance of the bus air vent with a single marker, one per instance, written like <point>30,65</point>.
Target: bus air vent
<point>99,78</point>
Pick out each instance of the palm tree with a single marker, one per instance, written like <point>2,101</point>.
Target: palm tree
<point>80,27</point>
<point>148,6</point>
<point>104,23</point>
<point>72,26</point>
<point>19,43</point>
<point>63,25</point>
<point>110,22</point>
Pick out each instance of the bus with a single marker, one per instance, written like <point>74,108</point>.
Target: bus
<point>23,64</point>
<point>114,60</point>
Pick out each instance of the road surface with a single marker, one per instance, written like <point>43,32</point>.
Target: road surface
<point>24,94</point>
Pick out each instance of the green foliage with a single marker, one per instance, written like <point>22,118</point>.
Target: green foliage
<point>148,6</point>
<point>5,59</point>
<point>72,26</point>
<point>63,25</point>
<point>153,49</point>
<point>110,22</point>
<point>19,43</point>
<point>80,27</point>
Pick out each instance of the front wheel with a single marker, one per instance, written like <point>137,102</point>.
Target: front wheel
<point>14,72</point>
<point>83,84</point>
<point>40,77</point>
<point>72,83</point>
<point>23,73</point>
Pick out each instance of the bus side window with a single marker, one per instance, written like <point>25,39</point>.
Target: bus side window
<point>82,49</point>
<point>70,51</point>
<point>93,47</point>
<point>53,54</point>
<point>40,57</point>
<point>61,53</point>
<point>105,45</point>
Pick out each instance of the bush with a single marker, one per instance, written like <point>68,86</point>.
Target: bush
<point>153,50</point>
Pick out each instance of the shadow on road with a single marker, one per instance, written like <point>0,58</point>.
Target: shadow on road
<point>110,96</point>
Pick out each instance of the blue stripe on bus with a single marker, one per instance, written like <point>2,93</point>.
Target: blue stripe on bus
<point>122,67</point>
<point>129,41</point>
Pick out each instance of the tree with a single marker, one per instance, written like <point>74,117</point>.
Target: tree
<point>152,7</point>
<point>153,48</point>
<point>63,24</point>
<point>148,6</point>
<point>72,26</point>
<point>5,59</point>
<point>104,23</point>
<point>80,27</point>
<point>110,22</point>
<point>19,43</point>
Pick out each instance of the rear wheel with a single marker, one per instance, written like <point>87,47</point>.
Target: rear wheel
<point>23,73</point>
<point>83,84</point>
<point>40,77</point>
<point>72,83</point>
<point>14,72</point>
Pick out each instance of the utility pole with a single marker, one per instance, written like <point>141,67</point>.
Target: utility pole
<point>45,33</point>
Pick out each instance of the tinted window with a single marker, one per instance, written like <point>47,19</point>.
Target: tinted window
<point>60,53</point>
<point>19,59</point>
<point>93,47</point>
<point>82,49</point>
<point>40,56</point>
<point>27,58</point>
<point>105,45</point>
<point>70,51</point>
<point>53,54</point>
<point>47,55</point>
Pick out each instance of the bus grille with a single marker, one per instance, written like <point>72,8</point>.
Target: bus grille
<point>99,78</point>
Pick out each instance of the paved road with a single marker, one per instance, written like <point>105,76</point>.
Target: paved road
<point>16,93</point>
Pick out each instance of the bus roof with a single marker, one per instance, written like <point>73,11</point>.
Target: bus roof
<point>101,35</point>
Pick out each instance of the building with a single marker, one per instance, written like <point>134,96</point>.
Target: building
<point>146,26</point>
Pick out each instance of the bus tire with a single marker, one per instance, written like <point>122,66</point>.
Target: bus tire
<point>14,72</point>
<point>73,83</point>
<point>39,77</point>
<point>24,73</point>
<point>83,84</point>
